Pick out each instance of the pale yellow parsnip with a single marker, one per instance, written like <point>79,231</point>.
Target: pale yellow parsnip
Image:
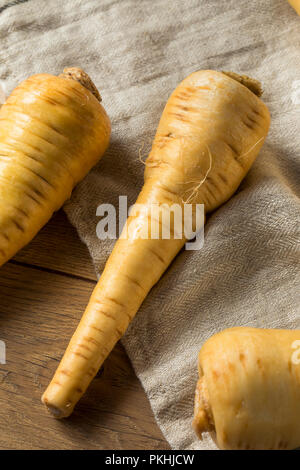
<point>209,134</point>
<point>248,393</point>
<point>52,131</point>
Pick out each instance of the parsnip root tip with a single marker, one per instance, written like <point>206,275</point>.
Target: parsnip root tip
<point>52,410</point>
<point>57,413</point>
<point>77,74</point>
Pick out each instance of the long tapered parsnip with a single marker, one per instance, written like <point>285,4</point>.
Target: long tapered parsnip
<point>52,131</point>
<point>209,134</point>
<point>248,393</point>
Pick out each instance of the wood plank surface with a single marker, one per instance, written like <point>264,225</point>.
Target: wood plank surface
<point>43,292</point>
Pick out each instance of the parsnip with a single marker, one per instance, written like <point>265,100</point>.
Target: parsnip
<point>248,394</point>
<point>52,131</point>
<point>209,134</point>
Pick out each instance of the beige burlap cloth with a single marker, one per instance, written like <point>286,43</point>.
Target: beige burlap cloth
<point>137,51</point>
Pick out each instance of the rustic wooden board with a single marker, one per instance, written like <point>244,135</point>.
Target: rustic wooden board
<point>43,292</point>
<point>58,247</point>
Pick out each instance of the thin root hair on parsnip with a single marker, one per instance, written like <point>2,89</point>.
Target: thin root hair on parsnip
<point>209,134</point>
<point>198,185</point>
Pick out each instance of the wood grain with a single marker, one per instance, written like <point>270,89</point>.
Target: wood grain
<point>58,247</point>
<point>43,293</point>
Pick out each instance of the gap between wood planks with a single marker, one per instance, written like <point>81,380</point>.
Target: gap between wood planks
<point>51,271</point>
